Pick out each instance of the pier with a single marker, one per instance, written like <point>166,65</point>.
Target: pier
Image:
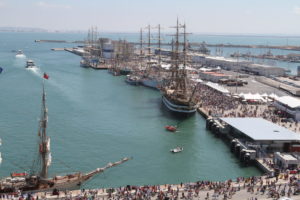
<point>286,58</point>
<point>59,41</point>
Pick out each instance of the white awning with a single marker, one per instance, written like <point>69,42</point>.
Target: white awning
<point>217,87</point>
<point>289,101</point>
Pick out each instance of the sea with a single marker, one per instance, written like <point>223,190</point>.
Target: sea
<point>96,118</point>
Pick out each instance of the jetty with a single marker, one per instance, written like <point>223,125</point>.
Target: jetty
<point>58,41</point>
<point>270,56</point>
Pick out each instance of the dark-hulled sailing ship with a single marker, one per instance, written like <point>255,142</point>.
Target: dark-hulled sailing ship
<point>39,181</point>
<point>176,95</point>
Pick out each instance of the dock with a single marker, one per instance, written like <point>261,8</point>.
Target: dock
<point>237,147</point>
<point>58,41</point>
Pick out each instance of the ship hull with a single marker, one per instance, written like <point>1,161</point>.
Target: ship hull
<point>132,82</point>
<point>72,185</point>
<point>151,83</point>
<point>125,71</point>
<point>179,109</point>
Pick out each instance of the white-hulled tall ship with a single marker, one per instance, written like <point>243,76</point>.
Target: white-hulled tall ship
<point>38,179</point>
<point>176,95</point>
<point>152,77</point>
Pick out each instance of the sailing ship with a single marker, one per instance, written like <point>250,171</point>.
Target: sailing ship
<point>176,95</point>
<point>37,179</point>
<point>152,78</point>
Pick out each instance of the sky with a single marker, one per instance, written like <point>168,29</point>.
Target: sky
<point>201,16</point>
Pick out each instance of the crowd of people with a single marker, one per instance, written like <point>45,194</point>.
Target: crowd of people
<point>242,188</point>
<point>213,101</point>
<point>218,104</point>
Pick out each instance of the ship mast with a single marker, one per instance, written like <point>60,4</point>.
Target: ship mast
<point>184,59</point>
<point>159,44</point>
<point>141,42</point>
<point>149,44</point>
<point>176,56</point>
<point>44,140</point>
<point>178,73</point>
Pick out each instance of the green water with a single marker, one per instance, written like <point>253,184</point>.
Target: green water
<point>95,118</point>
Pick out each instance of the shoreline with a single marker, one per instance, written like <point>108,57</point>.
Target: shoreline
<point>256,187</point>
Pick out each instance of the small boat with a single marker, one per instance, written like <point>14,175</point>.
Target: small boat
<point>132,80</point>
<point>177,150</point>
<point>20,54</point>
<point>171,128</point>
<point>84,63</point>
<point>30,64</point>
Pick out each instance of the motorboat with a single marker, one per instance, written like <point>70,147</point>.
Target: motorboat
<point>177,150</point>
<point>171,128</point>
<point>30,64</point>
<point>85,63</point>
<point>132,80</point>
<point>20,54</point>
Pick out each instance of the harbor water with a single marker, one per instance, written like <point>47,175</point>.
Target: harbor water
<point>96,118</point>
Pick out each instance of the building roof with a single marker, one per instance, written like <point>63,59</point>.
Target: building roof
<point>287,157</point>
<point>217,87</point>
<point>260,129</point>
<point>289,101</point>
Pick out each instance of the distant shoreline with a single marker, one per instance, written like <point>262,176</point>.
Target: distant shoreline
<point>33,30</point>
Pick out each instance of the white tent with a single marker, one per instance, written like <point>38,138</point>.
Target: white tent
<point>274,96</point>
<point>249,96</point>
<point>217,87</point>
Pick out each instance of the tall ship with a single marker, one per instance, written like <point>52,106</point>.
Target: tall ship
<point>38,179</point>
<point>177,96</point>
<point>152,77</point>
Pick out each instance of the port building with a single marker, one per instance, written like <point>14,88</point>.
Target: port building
<point>265,136</point>
<point>237,65</point>
<point>289,105</point>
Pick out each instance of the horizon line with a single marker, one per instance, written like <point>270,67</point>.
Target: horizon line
<point>42,30</point>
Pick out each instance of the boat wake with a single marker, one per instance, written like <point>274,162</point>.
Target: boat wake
<point>35,70</point>
<point>21,56</point>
